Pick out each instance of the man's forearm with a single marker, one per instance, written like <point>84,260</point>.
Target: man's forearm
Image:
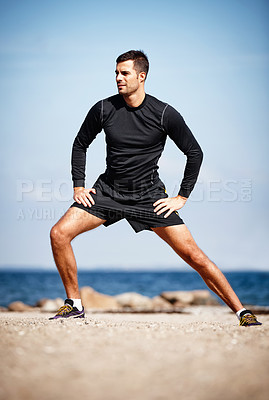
<point>191,172</point>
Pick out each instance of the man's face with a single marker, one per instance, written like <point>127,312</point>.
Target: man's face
<point>128,81</point>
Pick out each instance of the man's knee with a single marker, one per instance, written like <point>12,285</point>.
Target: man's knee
<point>196,257</point>
<point>58,235</point>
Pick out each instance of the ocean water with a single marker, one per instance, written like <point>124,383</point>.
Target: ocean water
<point>29,286</point>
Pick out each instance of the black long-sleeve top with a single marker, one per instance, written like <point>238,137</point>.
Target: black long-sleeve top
<point>135,139</point>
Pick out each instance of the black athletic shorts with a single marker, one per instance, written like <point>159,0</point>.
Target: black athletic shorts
<point>135,206</point>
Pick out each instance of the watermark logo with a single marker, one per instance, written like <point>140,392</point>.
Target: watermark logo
<point>44,190</point>
<point>219,190</point>
<point>35,196</point>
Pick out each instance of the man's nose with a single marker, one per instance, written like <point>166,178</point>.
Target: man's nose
<point>118,77</point>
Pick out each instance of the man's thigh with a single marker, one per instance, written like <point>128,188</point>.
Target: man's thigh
<point>76,221</point>
<point>181,240</point>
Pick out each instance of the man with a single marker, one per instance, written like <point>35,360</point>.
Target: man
<point>136,126</point>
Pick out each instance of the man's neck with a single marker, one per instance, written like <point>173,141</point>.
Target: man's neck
<point>135,99</point>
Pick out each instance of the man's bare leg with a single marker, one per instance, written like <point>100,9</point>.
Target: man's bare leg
<point>181,240</point>
<point>74,222</point>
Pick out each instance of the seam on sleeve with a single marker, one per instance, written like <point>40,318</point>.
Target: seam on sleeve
<point>79,142</point>
<point>163,116</point>
<point>102,112</point>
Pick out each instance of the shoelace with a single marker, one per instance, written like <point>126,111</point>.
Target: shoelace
<point>64,309</point>
<point>248,318</point>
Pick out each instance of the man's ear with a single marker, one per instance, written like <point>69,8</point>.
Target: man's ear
<point>142,76</point>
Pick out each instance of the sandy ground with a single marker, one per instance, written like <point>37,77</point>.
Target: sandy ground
<point>202,355</point>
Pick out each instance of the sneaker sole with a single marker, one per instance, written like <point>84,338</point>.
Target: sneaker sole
<point>69,317</point>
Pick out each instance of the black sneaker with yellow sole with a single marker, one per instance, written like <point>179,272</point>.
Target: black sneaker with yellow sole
<point>247,318</point>
<point>69,311</point>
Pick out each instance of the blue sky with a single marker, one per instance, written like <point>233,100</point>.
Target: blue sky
<point>209,59</point>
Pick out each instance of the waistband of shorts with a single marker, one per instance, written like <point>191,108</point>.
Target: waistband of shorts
<point>128,185</point>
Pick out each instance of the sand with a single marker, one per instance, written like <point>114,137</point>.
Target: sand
<point>202,355</point>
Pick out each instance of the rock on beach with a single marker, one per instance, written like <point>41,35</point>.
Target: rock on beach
<point>183,298</point>
<point>134,301</point>
<point>92,299</point>
<point>48,305</point>
<point>19,306</point>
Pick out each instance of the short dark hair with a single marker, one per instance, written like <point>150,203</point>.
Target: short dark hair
<point>141,62</point>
